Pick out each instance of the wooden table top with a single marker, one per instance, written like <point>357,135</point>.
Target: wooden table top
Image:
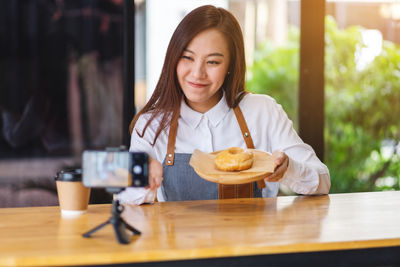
<point>203,229</point>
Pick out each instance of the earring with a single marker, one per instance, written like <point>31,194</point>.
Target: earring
<point>228,73</point>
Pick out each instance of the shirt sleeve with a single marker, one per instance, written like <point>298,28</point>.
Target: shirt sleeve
<point>306,174</point>
<point>143,143</point>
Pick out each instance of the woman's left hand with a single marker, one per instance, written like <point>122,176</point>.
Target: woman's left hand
<point>281,162</point>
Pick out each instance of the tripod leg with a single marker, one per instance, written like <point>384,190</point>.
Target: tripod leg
<point>131,228</point>
<point>119,229</point>
<point>90,232</point>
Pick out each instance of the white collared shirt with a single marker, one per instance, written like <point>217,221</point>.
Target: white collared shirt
<point>218,129</point>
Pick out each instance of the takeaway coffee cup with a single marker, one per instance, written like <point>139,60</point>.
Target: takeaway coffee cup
<point>73,196</point>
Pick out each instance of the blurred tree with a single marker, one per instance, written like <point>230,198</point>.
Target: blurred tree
<point>362,107</point>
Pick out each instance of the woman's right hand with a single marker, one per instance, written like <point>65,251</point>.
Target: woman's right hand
<point>155,173</point>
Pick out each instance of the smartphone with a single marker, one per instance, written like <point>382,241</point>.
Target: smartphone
<point>114,169</point>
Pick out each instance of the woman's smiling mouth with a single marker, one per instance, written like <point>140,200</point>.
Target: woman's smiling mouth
<point>197,85</point>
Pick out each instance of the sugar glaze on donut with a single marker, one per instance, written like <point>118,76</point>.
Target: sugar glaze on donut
<point>234,159</point>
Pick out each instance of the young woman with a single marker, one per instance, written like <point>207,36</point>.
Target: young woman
<point>200,102</point>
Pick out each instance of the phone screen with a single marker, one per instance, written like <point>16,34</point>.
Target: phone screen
<point>114,169</point>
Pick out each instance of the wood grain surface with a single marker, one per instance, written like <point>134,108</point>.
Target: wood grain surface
<point>202,229</point>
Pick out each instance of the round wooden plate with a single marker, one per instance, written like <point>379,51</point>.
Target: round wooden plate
<point>204,166</point>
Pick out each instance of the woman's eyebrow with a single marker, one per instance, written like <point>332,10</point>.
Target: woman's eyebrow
<point>190,51</point>
<point>209,55</point>
<point>216,54</point>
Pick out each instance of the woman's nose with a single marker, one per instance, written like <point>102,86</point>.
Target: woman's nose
<point>199,70</point>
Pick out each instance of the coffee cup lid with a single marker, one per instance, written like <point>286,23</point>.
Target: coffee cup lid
<point>71,175</point>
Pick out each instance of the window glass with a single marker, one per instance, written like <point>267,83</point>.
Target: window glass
<point>362,90</point>
<point>62,88</point>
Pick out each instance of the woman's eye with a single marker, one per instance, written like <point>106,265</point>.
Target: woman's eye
<point>187,57</point>
<point>213,62</point>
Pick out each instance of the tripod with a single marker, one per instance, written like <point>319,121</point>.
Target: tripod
<point>118,224</point>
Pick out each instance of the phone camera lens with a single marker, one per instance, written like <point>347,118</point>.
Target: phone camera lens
<point>137,169</point>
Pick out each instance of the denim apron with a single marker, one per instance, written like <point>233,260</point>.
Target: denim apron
<point>181,182</point>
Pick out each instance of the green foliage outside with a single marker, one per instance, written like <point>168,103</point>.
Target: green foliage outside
<point>275,72</point>
<point>362,107</point>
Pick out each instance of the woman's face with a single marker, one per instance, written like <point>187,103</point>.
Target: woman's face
<point>202,69</point>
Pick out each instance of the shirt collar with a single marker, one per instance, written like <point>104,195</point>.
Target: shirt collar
<point>214,115</point>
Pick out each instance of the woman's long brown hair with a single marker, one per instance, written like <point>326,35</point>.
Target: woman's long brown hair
<point>167,96</point>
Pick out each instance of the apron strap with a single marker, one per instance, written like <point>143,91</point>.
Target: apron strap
<point>173,128</point>
<point>243,127</point>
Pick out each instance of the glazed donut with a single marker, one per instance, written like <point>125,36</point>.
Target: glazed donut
<point>234,159</point>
